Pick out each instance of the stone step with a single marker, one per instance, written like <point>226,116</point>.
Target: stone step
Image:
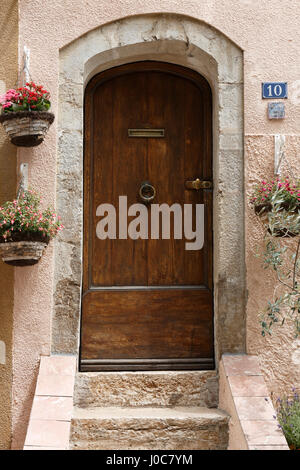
<point>179,428</point>
<point>146,389</point>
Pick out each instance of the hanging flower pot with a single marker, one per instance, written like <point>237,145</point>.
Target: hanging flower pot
<point>25,230</point>
<point>25,114</point>
<point>26,128</point>
<point>21,253</point>
<point>277,203</point>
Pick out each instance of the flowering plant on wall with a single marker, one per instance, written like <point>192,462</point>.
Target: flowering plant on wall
<point>23,219</point>
<point>277,203</point>
<point>25,114</point>
<point>31,97</point>
<point>285,190</point>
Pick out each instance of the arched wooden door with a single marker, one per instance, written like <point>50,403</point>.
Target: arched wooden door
<point>147,303</point>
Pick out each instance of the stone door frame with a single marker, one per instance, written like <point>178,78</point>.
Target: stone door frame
<point>193,44</point>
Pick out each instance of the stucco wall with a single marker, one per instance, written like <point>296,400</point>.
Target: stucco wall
<point>8,77</point>
<point>270,55</point>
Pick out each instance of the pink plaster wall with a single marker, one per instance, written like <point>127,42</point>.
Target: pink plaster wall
<point>267,31</point>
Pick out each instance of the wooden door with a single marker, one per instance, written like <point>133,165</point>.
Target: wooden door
<point>146,303</point>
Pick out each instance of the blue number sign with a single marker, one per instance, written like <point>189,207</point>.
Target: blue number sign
<point>274,90</point>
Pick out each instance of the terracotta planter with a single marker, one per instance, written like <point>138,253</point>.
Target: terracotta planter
<point>27,128</point>
<point>23,252</point>
<point>262,211</point>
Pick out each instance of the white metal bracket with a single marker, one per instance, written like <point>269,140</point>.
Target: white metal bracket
<point>26,59</point>
<point>279,152</point>
<point>23,185</point>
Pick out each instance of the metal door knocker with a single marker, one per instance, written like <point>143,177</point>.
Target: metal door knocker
<point>147,192</point>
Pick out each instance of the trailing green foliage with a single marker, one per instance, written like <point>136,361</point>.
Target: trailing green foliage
<point>281,220</point>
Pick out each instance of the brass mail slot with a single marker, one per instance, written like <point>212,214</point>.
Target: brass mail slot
<point>146,132</point>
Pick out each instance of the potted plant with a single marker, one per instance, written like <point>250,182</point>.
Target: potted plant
<point>25,114</point>
<point>25,230</point>
<point>277,202</point>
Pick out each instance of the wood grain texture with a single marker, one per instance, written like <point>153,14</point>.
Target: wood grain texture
<point>147,324</point>
<point>160,96</point>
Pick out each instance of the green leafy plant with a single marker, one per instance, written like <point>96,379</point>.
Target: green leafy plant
<point>283,216</point>
<point>288,416</point>
<point>31,97</point>
<point>284,261</point>
<point>281,253</point>
<point>23,219</point>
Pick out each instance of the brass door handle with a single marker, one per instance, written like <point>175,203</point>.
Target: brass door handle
<point>147,192</point>
<point>198,184</point>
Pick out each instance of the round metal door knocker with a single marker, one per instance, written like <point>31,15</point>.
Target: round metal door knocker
<point>147,192</point>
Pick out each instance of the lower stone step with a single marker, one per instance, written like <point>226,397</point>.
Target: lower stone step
<point>141,389</point>
<point>180,428</point>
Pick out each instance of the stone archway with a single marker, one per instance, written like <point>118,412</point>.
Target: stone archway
<point>193,44</point>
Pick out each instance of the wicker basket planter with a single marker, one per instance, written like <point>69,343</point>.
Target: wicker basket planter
<point>27,128</point>
<point>25,249</point>
<point>21,253</point>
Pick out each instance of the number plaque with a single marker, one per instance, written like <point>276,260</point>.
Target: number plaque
<point>274,90</point>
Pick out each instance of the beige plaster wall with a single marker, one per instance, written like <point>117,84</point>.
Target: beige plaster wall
<point>8,77</point>
<point>267,31</point>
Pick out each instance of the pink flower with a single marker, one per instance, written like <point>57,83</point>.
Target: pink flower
<point>8,104</point>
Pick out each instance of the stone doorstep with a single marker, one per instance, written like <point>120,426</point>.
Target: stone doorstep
<point>149,428</point>
<point>146,389</point>
<point>202,414</point>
